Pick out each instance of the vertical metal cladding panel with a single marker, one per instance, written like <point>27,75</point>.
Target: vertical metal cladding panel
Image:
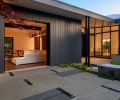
<point>68,43</point>
<point>58,39</point>
<point>2,63</point>
<point>78,37</point>
<point>65,36</point>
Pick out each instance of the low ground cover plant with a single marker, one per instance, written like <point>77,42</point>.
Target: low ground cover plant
<point>80,66</point>
<point>115,62</point>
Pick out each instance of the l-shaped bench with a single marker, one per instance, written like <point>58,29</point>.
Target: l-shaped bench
<point>110,70</point>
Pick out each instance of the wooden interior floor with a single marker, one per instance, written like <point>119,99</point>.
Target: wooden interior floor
<point>11,66</point>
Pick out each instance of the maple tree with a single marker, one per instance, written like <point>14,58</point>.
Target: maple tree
<point>7,12</point>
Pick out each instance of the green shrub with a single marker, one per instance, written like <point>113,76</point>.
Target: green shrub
<point>82,67</point>
<point>64,65</point>
<point>115,62</point>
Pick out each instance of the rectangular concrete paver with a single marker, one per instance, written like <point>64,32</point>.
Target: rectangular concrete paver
<point>98,94</point>
<point>84,86</point>
<point>115,85</point>
<point>60,69</point>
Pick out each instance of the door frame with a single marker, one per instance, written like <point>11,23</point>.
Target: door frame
<point>2,70</point>
<point>2,43</point>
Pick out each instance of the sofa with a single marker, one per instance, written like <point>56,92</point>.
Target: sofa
<point>29,57</point>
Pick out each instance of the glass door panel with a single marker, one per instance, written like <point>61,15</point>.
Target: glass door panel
<point>106,46</point>
<point>98,45</point>
<point>91,45</point>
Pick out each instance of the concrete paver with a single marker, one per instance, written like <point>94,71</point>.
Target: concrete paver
<point>98,94</point>
<point>84,86</point>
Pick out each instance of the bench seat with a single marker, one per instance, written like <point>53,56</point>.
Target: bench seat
<point>109,70</point>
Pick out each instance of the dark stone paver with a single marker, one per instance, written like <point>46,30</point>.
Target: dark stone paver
<point>54,94</point>
<point>69,73</point>
<point>65,72</point>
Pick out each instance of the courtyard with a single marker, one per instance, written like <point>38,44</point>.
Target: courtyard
<point>40,84</point>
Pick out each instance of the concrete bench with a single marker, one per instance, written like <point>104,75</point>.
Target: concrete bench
<point>109,70</point>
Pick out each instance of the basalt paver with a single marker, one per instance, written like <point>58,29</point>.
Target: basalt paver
<point>83,85</point>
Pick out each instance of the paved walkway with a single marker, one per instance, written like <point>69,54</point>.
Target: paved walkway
<point>84,86</point>
<point>97,61</point>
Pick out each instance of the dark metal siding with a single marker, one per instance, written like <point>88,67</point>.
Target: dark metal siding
<point>2,45</point>
<point>65,36</point>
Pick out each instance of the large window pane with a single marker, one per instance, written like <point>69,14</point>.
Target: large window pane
<point>98,30</point>
<point>114,28</point>
<point>92,30</point>
<point>98,45</point>
<point>114,43</point>
<point>106,29</point>
<point>91,45</point>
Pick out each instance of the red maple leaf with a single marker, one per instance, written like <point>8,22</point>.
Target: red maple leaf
<point>7,11</point>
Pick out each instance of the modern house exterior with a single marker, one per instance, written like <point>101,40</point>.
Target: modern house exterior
<point>67,28</point>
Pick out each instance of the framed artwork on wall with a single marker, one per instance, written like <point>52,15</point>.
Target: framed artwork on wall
<point>8,46</point>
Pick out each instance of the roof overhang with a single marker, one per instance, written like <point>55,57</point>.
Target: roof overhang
<point>58,8</point>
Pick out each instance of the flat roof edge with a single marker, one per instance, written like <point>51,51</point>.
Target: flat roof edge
<point>61,8</point>
<point>106,17</point>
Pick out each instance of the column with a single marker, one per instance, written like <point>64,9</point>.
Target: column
<point>2,59</point>
<point>87,40</point>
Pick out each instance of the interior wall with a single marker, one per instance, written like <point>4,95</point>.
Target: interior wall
<point>21,38</point>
